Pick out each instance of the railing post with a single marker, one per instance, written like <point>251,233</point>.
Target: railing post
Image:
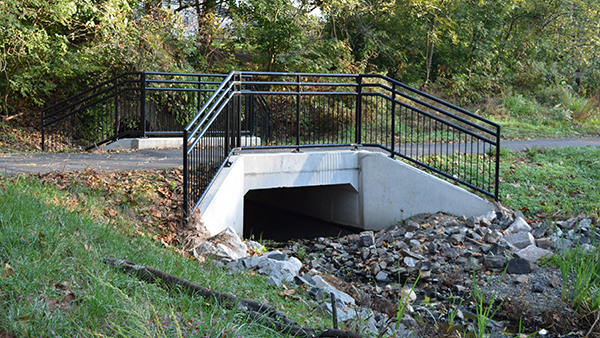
<point>143,105</point>
<point>199,103</point>
<point>227,128</point>
<point>239,111</point>
<point>43,131</point>
<point>497,163</point>
<point>186,190</point>
<point>358,122</point>
<point>298,113</point>
<point>117,124</point>
<point>393,119</point>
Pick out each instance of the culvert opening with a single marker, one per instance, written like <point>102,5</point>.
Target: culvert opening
<point>282,214</point>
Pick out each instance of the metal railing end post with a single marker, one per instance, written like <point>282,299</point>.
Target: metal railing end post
<point>186,190</point>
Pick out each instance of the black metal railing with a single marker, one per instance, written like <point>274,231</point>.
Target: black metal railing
<point>268,110</point>
<point>139,104</point>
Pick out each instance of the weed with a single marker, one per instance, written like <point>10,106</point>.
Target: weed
<point>452,314</point>
<point>484,312</point>
<point>403,303</point>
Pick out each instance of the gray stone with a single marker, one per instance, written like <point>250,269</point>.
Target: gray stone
<point>304,280</point>
<point>519,225</point>
<point>225,245</point>
<point>366,239</point>
<point>485,222</point>
<point>316,293</point>
<point>538,287</point>
<point>251,262</point>
<point>532,253</point>
<point>410,262</point>
<point>520,240</point>
<point>494,262</point>
<point>543,243</point>
<point>280,271</point>
<point>412,226</point>
<point>485,248</point>
<point>474,236</point>
<point>381,276</point>
<point>540,231</point>
<point>375,268</point>
<point>339,295</point>
<point>276,255</point>
<point>500,247</point>
<point>408,321</point>
<point>255,246</point>
<point>456,239</point>
<point>555,281</point>
<point>521,279</point>
<point>490,216</point>
<point>472,222</point>
<point>518,266</point>
<point>561,244</point>
<point>458,288</point>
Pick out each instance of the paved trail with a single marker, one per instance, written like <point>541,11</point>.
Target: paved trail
<point>173,158</point>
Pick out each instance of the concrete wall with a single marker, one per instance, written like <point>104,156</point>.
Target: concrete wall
<point>364,189</point>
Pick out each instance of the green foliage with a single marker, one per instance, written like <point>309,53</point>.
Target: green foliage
<point>61,47</point>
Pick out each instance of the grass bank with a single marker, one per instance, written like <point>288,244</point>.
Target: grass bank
<point>54,282</point>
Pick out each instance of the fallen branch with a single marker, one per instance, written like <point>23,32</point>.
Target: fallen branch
<point>256,310</point>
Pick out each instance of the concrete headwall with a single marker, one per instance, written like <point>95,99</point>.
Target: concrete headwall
<point>363,189</point>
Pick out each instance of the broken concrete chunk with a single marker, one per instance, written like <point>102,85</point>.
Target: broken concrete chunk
<point>520,240</point>
<point>532,253</point>
<point>519,225</point>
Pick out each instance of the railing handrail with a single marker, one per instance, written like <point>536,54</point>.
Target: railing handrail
<point>89,90</point>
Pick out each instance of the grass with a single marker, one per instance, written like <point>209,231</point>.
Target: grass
<point>54,281</point>
<point>551,113</point>
<point>552,183</point>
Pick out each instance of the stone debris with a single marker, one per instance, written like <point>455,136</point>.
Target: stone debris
<point>373,267</point>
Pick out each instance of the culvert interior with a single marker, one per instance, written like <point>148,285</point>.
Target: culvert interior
<point>281,214</point>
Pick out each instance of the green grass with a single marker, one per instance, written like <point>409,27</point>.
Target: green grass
<point>552,183</point>
<point>54,282</point>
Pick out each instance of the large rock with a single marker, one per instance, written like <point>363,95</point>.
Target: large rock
<point>519,266</point>
<point>520,240</point>
<point>519,225</point>
<point>532,253</point>
<point>226,245</point>
<point>340,296</point>
<point>278,269</point>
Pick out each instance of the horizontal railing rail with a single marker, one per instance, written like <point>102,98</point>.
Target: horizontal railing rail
<point>297,110</point>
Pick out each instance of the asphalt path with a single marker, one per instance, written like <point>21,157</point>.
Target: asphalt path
<point>173,158</point>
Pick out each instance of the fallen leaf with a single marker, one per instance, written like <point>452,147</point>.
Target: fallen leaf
<point>4,334</point>
<point>7,271</point>
<point>112,212</point>
<point>287,292</point>
<point>86,246</point>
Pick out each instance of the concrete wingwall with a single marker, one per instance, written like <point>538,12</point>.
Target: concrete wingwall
<point>362,189</point>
